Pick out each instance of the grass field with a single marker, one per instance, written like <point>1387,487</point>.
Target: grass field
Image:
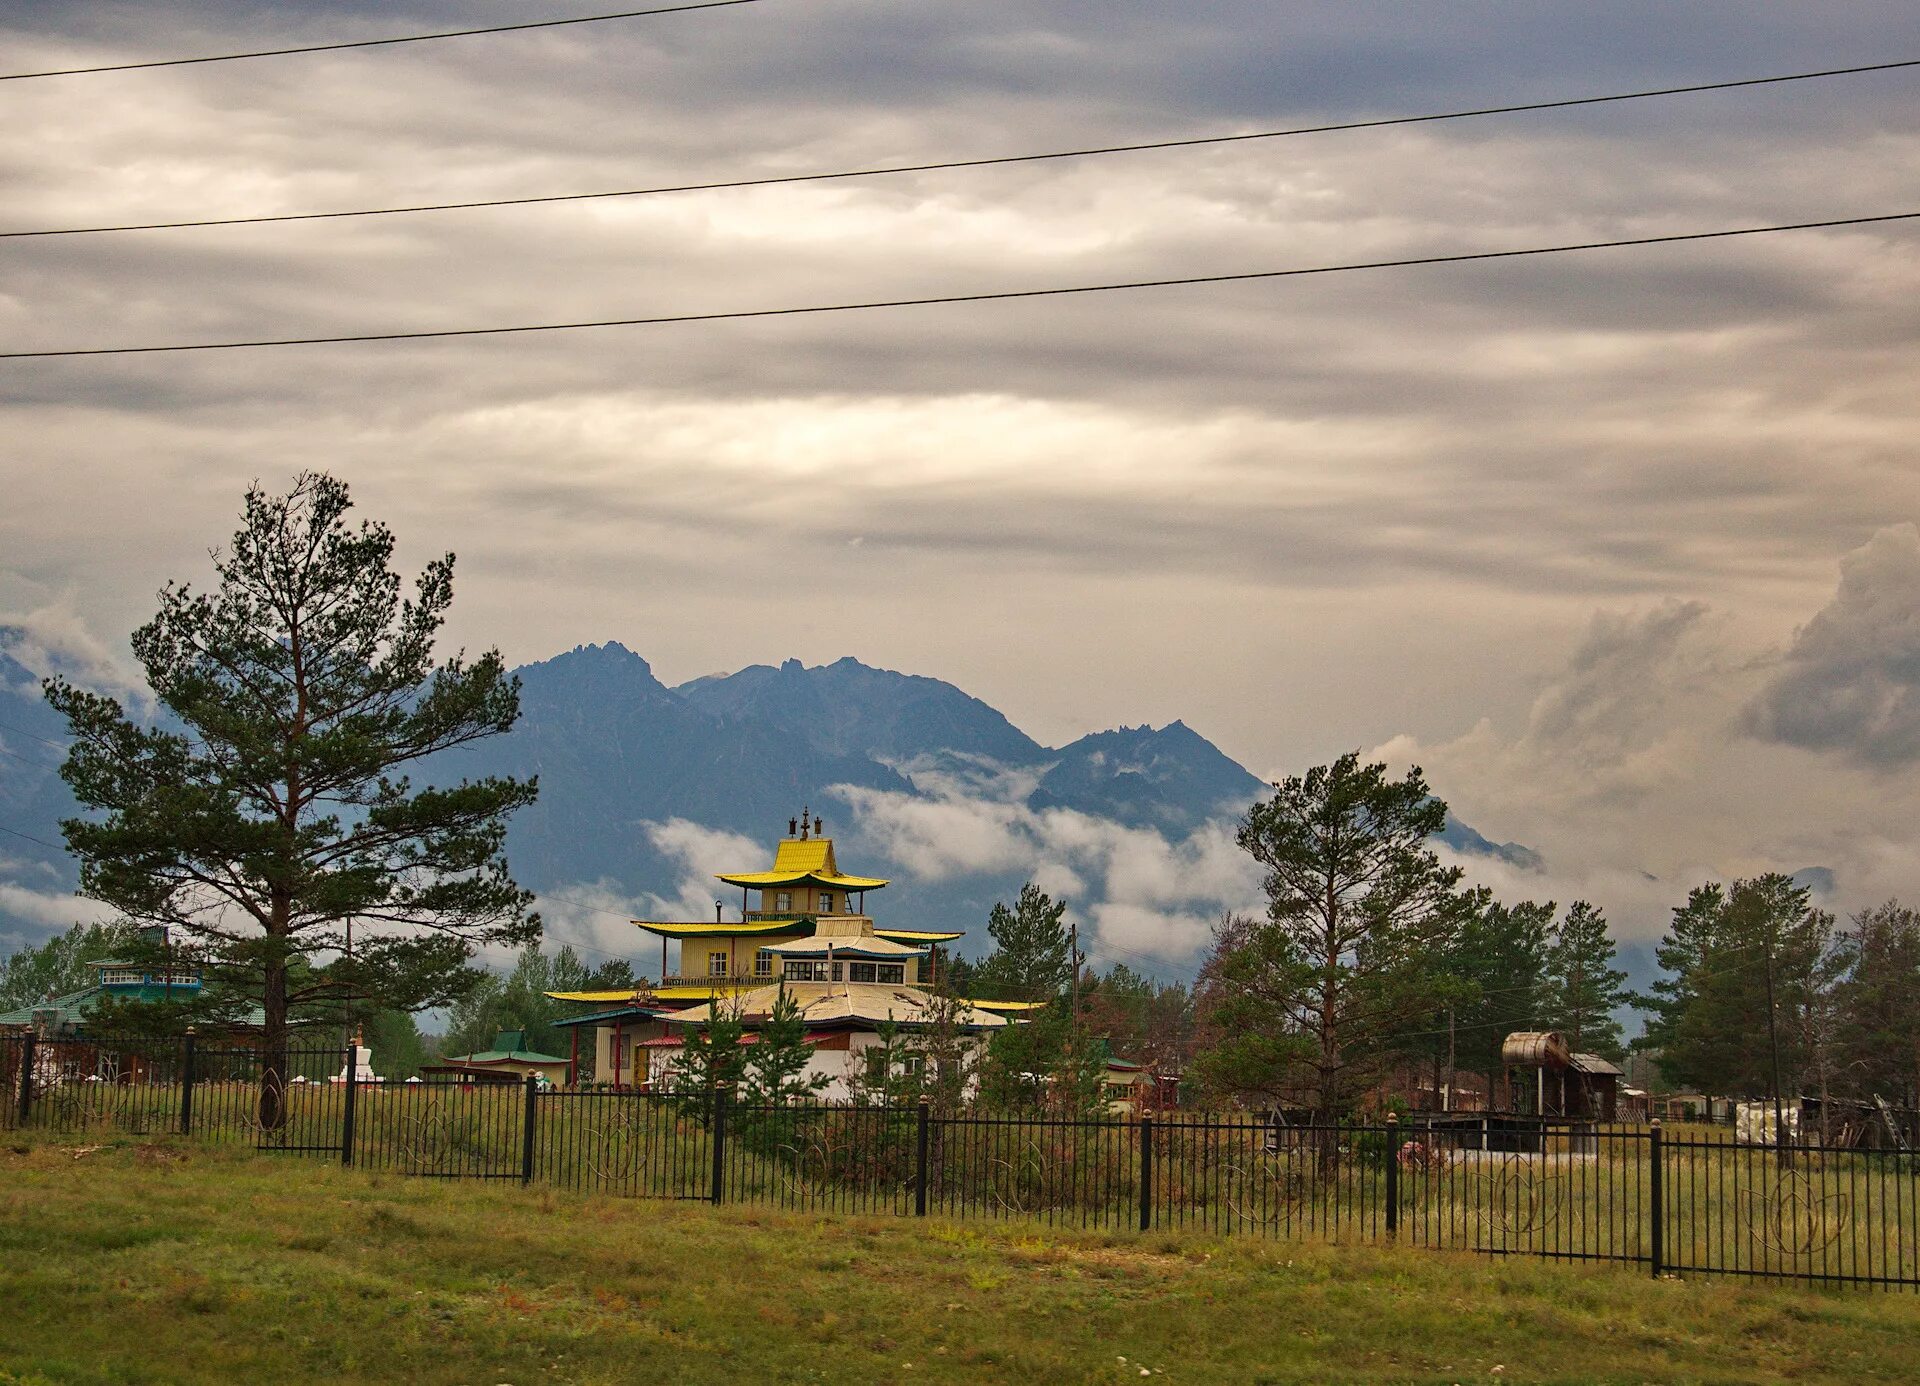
<point>152,1262</point>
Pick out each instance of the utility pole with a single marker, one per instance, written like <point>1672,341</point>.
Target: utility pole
<point>1073,983</point>
<point>1773,1046</point>
<point>1576,1003</point>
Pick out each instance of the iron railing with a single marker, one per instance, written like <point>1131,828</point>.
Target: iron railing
<point>1691,1201</point>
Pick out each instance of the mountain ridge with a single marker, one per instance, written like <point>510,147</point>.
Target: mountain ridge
<point>619,752</point>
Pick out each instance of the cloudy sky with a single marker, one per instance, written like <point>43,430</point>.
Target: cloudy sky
<point>1620,546</point>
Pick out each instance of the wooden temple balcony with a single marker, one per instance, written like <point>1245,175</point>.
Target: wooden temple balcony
<point>742,981</point>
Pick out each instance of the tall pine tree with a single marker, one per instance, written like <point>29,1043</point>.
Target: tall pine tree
<point>1309,1004</point>
<point>1583,987</point>
<point>274,808</point>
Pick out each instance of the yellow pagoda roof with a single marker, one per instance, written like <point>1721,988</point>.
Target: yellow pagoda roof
<point>707,928</point>
<point>802,861</point>
<point>1010,1007</point>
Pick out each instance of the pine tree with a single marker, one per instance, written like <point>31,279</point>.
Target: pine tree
<point>1880,1005</point>
<point>1360,913</point>
<point>1583,987</point>
<point>1710,1021</point>
<point>1681,954</point>
<point>1032,957</point>
<point>275,809</point>
<point>774,1068</point>
<point>1500,958</point>
<point>713,1055</point>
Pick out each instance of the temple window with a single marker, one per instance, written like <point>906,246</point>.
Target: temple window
<point>837,971</point>
<point>826,902</point>
<point>763,963</point>
<point>892,972</point>
<point>782,902</point>
<point>716,964</point>
<point>861,972</point>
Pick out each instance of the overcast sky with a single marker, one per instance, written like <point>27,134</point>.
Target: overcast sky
<point>1619,546</point>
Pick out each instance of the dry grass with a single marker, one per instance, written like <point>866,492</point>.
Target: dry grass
<point>157,1263</point>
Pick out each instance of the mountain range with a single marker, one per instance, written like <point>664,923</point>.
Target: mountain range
<point>616,750</point>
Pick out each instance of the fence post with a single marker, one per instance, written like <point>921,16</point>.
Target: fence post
<point>26,1078</point>
<point>1146,1173</point>
<point>719,1141</point>
<point>353,1091</point>
<point>1656,1202</point>
<point>1393,1175</point>
<point>920,1160</point>
<point>526,1132</point>
<point>186,1084</point>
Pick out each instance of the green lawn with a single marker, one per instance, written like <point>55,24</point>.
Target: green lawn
<point>155,1263</point>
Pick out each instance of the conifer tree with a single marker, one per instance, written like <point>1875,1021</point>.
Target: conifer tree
<point>1880,1026</point>
<point>1308,1004</point>
<point>1583,987</point>
<point>774,1067</point>
<point>272,807</point>
<point>1710,1014</point>
<point>1032,957</point>
<point>60,965</point>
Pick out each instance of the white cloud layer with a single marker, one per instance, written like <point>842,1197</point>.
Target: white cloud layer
<point>1140,898</point>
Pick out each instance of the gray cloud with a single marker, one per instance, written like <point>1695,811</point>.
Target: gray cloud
<point>1851,680</point>
<point>1309,514</point>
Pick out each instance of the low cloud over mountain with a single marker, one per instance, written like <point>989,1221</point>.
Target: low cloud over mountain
<point>647,790</point>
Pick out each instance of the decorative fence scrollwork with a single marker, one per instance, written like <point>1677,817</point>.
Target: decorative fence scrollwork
<point>1021,1181</point>
<point>1270,1188</point>
<point>1518,1198</point>
<point>1791,1217</point>
<point>616,1148</point>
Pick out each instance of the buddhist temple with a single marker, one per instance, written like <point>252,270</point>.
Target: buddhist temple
<point>807,932</point>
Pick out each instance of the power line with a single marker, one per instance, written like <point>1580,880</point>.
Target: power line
<point>18,731</point>
<point>1000,296</point>
<point>376,43</point>
<point>891,170</point>
<point>28,837</point>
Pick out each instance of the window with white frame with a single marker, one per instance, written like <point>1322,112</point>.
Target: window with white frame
<point>826,902</point>
<point>716,964</point>
<point>782,902</point>
<point>763,963</point>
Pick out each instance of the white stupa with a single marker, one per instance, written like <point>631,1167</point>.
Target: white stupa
<point>362,1064</point>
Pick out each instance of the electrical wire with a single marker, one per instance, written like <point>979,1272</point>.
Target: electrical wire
<point>892,170</point>
<point>1008,295</point>
<point>375,43</point>
<point>28,837</point>
<point>18,731</point>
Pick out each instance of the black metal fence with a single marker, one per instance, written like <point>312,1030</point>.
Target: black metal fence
<point>1684,1201</point>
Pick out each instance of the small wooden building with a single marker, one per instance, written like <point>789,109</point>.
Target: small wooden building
<point>509,1061</point>
<point>1547,1079</point>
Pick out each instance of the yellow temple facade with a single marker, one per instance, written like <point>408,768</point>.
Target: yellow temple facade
<point>810,934</point>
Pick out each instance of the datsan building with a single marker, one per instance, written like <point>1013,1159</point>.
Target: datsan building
<point>804,928</point>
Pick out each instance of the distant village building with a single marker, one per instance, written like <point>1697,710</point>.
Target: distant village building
<point>115,981</point>
<point>508,1061</point>
<point>810,936</point>
<point>1547,1079</point>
